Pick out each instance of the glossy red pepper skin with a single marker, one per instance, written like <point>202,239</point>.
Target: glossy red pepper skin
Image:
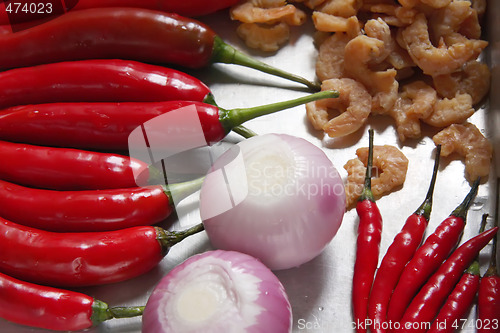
<point>397,256</point>
<point>430,298</point>
<point>98,81</point>
<point>68,169</point>
<point>457,305</point>
<point>101,126</point>
<point>45,307</point>
<point>367,252</point>
<point>489,304</point>
<point>428,257</point>
<point>77,259</point>
<point>76,211</point>
<point>190,8</point>
<point>111,33</point>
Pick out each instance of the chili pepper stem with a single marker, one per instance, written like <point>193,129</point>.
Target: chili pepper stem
<point>461,210</point>
<point>244,131</point>
<point>224,53</point>
<point>102,312</point>
<point>367,193</point>
<point>474,268</point>
<point>426,207</point>
<point>182,190</point>
<point>169,238</point>
<point>235,117</point>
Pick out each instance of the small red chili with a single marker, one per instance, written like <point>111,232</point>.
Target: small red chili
<point>428,257</point>
<point>108,125</point>
<point>367,246</point>
<point>98,81</point>
<point>488,317</point>
<point>126,33</point>
<point>189,8</point>
<point>86,258</point>
<point>460,300</point>
<point>55,309</point>
<point>431,297</point>
<point>69,169</point>
<point>99,210</point>
<point>398,255</point>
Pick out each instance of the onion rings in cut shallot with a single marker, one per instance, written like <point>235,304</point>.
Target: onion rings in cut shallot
<point>218,291</point>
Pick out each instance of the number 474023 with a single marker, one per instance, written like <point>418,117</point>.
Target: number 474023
<point>29,8</point>
<point>476,324</point>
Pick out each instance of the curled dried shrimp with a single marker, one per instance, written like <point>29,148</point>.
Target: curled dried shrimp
<point>390,166</point>
<point>343,8</point>
<point>449,56</point>
<point>472,79</point>
<point>458,16</point>
<point>267,38</point>
<point>414,103</point>
<point>330,61</point>
<point>265,23</point>
<point>448,111</point>
<point>331,23</point>
<point>364,51</point>
<point>353,103</point>
<point>469,142</point>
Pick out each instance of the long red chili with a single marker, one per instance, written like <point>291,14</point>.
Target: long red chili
<point>431,297</point>
<point>428,257</point>
<point>99,210</point>
<point>126,33</point>
<point>186,8</point>
<point>99,80</point>
<point>108,125</point>
<point>488,304</point>
<point>459,302</point>
<point>367,246</point>
<point>55,309</point>
<point>69,169</point>
<point>83,259</point>
<point>397,256</point>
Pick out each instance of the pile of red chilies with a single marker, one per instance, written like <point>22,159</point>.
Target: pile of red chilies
<point>71,91</point>
<point>423,287</point>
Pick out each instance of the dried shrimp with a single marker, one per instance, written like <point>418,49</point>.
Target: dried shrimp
<point>444,59</point>
<point>353,103</point>
<point>415,102</point>
<point>451,111</point>
<point>390,166</point>
<point>264,37</point>
<point>469,142</point>
<point>265,23</point>
<point>472,79</point>
<point>330,61</point>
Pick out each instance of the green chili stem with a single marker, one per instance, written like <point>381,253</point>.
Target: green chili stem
<point>235,117</point>
<point>367,193</point>
<point>461,210</point>
<point>169,238</point>
<point>224,53</point>
<point>182,190</point>
<point>244,131</point>
<point>426,207</point>
<point>102,312</point>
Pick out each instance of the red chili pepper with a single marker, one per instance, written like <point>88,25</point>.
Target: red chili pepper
<point>428,257</point>
<point>83,259</point>
<point>126,33</point>
<point>397,256</point>
<point>54,309</point>
<point>367,249</point>
<point>460,300</point>
<point>68,169</point>
<point>99,210</point>
<point>98,81</point>
<point>488,317</point>
<point>108,125</point>
<point>433,294</point>
<point>190,8</point>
